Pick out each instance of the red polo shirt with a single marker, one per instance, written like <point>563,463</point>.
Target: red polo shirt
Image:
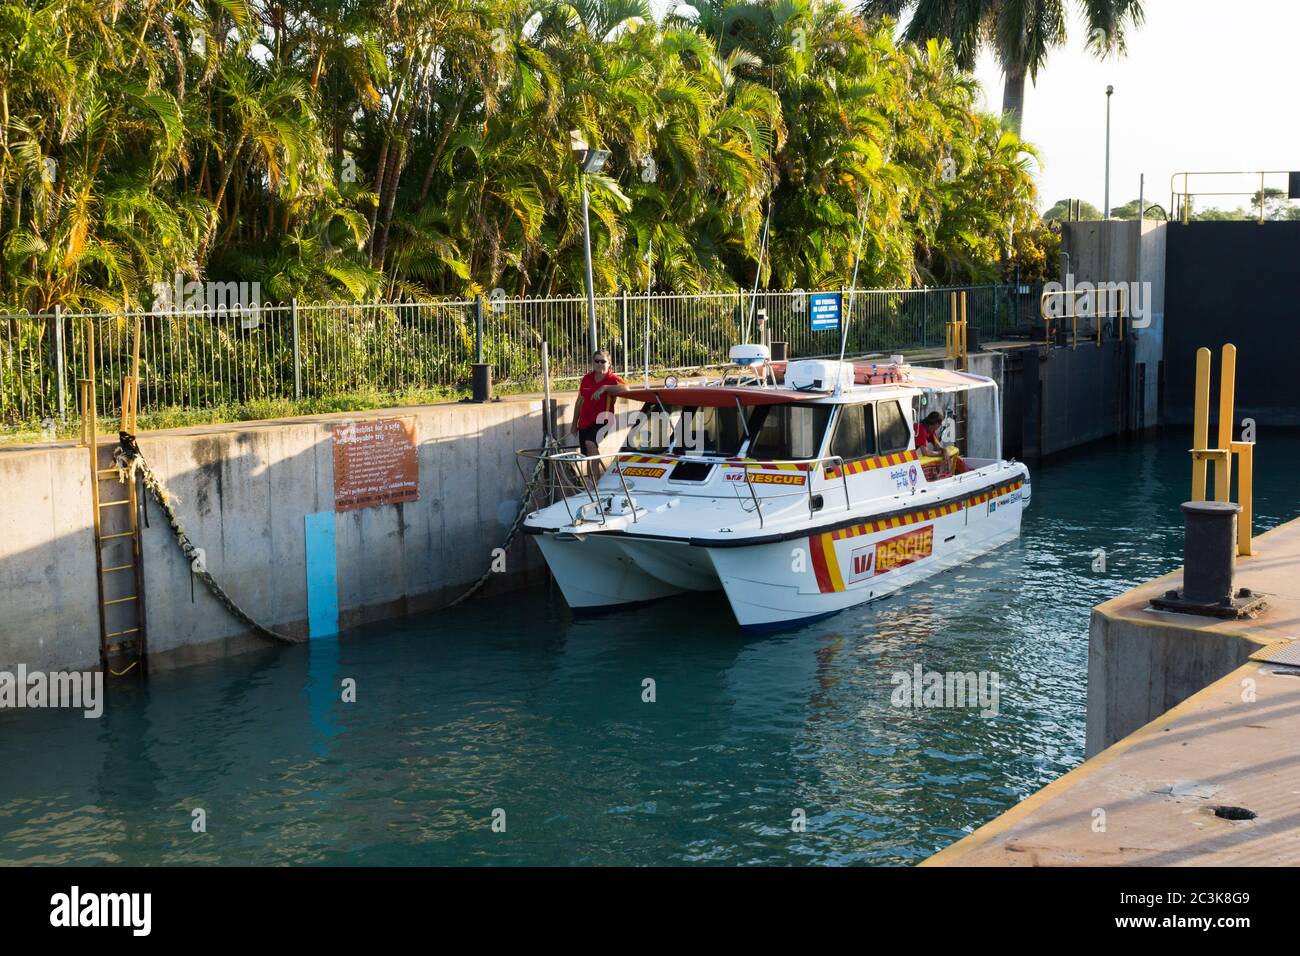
<point>591,408</point>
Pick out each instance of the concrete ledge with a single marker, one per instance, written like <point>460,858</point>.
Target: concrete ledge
<point>1142,662</point>
<point>1150,800</point>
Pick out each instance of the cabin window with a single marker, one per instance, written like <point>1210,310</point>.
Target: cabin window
<point>713,431</point>
<point>651,429</point>
<point>783,432</point>
<point>891,428</point>
<point>855,433</point>
<point>685,430</point>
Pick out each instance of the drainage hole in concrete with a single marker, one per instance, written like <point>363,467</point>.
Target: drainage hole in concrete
<point>1235,813</point>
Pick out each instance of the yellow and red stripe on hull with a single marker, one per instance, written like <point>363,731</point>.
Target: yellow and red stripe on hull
<point>871,464</point>
<point>766,465</point>
<point>826,567</point>
<point>646,460</point>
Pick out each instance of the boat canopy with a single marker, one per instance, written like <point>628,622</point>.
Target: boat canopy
<point>702,396</point>
<point>945,380</point>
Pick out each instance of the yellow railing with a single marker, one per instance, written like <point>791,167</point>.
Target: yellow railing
<point>1185,194</point>
<point>1225,448</point>
<point>1098,312</point>
<point>955,331</point>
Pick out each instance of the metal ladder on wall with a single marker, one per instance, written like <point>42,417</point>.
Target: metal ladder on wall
<point>115,505</point>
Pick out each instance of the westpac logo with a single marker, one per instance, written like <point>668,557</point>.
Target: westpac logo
<point>1104,299</point>
<point>861,563</point>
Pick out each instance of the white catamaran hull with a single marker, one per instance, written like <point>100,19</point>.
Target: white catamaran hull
<point>779,584</point>
<point>800,577</point>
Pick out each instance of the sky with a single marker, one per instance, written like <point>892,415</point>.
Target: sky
<point>1205,86</point>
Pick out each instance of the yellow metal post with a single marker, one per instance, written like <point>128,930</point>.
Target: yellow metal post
<point>1245,452</point>
<point>131,383</point>
<point>1200,422</point>
<point>951,328</point>
<point>961,363</point>
<point>1227,390</point>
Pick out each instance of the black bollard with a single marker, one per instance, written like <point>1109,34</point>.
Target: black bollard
<point>1209,550</point>
<point>1209,563</point>
<point>482,382</point>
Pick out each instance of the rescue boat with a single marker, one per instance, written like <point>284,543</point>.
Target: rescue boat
<point>798,491</point>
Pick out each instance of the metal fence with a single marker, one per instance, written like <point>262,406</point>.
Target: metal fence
<point>206,359</point>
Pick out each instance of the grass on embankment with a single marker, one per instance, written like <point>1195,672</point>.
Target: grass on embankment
<point>257,410</point>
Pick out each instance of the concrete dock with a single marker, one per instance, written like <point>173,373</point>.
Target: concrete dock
<point>1214,781</point>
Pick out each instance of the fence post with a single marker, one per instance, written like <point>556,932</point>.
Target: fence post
<point>925,317</point>
<point>297,353</point>
<point>622,307</point>
<point>478,329</point>
<point>59,361</point>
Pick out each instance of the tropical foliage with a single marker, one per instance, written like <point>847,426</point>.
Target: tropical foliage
<point>353,149</point>
<point>1021,33</point>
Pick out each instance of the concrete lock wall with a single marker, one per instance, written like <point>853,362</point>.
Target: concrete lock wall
<point>1234,282</point>
<point>1120,251</point>
<point>243,493</point>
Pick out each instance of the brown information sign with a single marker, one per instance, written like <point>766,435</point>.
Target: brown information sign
<point>375,463</point>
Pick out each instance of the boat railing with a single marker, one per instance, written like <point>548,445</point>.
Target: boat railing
<point>566,474</point>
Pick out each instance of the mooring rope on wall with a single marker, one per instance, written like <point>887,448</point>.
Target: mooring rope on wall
<point>130,462</point>
<point>524,502</point>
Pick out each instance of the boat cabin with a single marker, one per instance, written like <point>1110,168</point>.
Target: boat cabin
<point>851,421</point>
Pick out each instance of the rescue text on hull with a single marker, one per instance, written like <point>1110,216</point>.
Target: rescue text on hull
<point>797,501</point>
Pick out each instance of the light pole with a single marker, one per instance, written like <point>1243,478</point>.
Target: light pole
<point>589,161</point>
<point>1106,212</point>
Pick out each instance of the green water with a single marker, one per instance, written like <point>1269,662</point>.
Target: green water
<point>511,704</point>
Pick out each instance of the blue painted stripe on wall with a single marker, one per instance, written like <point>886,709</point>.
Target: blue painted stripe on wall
<point>322,575</point>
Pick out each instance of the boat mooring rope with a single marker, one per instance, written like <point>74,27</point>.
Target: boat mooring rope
<point>524,501</point>
<point>130,462</point>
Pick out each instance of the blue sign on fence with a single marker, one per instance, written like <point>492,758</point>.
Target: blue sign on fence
<point>825,310</point>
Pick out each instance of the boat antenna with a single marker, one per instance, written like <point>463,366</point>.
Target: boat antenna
<point>853,287</point>
<point>649,278</point>
<point>758,270</point>
<point>767,222</point>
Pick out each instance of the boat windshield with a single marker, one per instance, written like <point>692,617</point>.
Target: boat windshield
<point>784,432</point>
<point>686,430</point>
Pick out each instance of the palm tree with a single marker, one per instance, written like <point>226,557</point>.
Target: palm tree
<point>1021,32</point>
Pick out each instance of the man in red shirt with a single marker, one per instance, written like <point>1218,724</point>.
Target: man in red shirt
<point>595,408</point>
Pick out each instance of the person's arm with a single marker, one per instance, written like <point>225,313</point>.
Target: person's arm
<point>614,388</point>
<point>577,413</point>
